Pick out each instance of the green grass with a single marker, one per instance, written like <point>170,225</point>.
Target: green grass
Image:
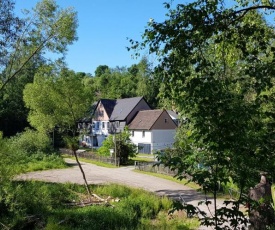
<point>141,157</point>
<point>137,209</point>
<point>40,162</point>
<point>98,163</point>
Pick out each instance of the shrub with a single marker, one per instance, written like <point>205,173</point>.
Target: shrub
<point>30,142</point>
<point>123,145</point>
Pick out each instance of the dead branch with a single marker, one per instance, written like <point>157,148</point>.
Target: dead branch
<point>5,227</point>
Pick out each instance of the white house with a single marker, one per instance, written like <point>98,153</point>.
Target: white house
<point>152,130</point>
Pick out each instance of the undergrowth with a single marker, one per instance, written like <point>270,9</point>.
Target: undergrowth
<point>41,205</point>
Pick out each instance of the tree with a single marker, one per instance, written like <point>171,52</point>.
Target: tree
<point>101,69</point>
<point>10,28</point>
<point>59,99</point>
<point>121,144</point>
<point>121,82</point>
<point>46,29</point>
<point>217,66</point>
<point>23,44</point>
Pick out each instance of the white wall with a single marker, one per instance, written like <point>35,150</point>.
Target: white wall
<point>162,139</point>
<point>138,138</point>
<point>159,139</point>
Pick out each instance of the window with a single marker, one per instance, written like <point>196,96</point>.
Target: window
<point>133,133</point>
<point>108,124</point>
<point>143,133</point>
<point>103,125</point>
<point>97,125</point>
<point>165,120</point>
<point>117,124</point>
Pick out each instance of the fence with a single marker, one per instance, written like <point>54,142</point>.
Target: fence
<point>91,156</point>
<point>152,167</point>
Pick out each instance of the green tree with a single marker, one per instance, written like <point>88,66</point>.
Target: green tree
<point>121,144</point>
<point>101,69</point>
<point>216,66</point>
<point>24,42</point>
<point>11,27</point>
<point>121,82</point>
<point>46,29</point>
<point>59,99</point>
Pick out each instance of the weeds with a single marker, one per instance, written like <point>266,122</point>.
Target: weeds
<point>45,206</point>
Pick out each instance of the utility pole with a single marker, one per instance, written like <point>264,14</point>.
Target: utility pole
<point>115,147</point>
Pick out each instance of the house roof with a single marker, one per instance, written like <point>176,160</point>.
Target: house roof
<point>108,105</point>
<point>123,107</point>
<point>173,114</point>
<point>145,119</point>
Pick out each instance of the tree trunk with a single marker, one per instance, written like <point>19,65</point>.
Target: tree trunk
<point>83,174</point>
<point>85,180</point>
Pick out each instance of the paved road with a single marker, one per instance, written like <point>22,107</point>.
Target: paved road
<point>123,175</point>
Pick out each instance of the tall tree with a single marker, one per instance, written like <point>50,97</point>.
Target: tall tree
<point>11,27</point>
<point>217,67</point>
<point>46,29</point>
<point>59,99</point>
<point>23,43</point>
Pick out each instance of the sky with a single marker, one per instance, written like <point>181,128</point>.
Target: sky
<point>104,26</point>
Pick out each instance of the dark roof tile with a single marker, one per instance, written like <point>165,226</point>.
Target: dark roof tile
<point>123,107</point>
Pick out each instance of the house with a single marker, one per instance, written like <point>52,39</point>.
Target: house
<point>152,130</point>
<point>112,115</point>
<point>174,116</point>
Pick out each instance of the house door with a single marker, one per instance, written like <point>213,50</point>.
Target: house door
<point>144,148</point>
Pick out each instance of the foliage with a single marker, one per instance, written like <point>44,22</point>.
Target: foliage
<point>11,26</point>
<point>23,44</point>
<point>121,145</point>
<point>47,205</point>
<point>121,82</point>
<point>57,98</point>
<point>31,142</point>
<point>46,29</point>
<point>216,63</point>
<point>14,161</point>
<point>7,163</point>
<point>13,113</point>
<point>39,162</point>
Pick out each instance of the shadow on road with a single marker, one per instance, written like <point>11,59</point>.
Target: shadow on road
<point>183,195</point>
<point>71,164</point>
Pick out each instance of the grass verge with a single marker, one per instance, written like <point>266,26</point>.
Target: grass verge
<point>98,163</point>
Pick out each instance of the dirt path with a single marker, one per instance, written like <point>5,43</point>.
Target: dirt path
<point>124,175</point>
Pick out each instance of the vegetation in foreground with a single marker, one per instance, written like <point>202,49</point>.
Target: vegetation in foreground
<point>49,207</point>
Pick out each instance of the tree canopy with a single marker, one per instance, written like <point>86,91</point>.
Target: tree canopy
<point>216,63</point>
<point>47,28</point>
<point>24,43</point>
<point>57,99</point>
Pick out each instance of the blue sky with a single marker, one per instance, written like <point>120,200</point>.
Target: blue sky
<point>104,26</point>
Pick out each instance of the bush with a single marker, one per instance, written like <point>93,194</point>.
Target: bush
<point>30,142</point>
<point>124,147</point>
<point>45,203</point>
